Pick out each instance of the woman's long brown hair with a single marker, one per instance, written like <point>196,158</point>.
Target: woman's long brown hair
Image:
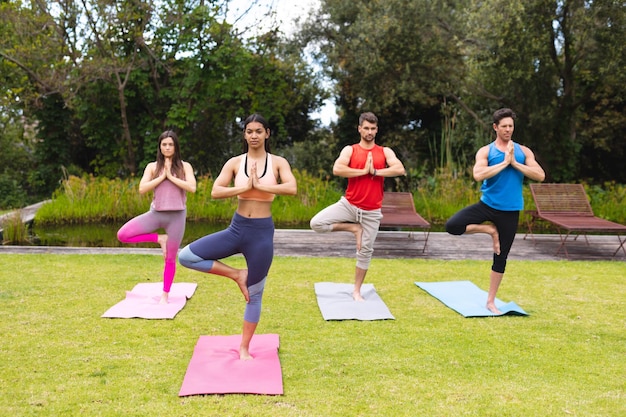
<point>177,163</point>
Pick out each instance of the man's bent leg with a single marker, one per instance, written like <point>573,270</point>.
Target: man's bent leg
<point>339,217</point>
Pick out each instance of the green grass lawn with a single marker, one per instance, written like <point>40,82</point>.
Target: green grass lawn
<point>568,358</point>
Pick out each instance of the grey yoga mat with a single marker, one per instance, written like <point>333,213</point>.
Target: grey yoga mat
<point>336,303</point>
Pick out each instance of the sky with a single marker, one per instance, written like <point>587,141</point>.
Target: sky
<point>286,12</point>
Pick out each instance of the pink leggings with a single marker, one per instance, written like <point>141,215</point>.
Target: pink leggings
<point>142,229</point>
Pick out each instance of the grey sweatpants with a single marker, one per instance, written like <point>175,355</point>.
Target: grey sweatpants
<point>344,212</point>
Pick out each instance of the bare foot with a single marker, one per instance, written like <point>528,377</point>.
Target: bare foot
<point>164,298</point>
<point>358,234</point>
<point>357,296</point>
<point>496,241</point>
<point>357,231</point>
<point>492,307</point>
<point>244,355</point>
<point>242,281</point>
<point>163,242</point>
<point>355,228</point>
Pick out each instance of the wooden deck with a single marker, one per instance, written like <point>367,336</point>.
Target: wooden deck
<point>394,244</point>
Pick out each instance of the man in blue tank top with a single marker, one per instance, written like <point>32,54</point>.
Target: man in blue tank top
<point>501,166</point>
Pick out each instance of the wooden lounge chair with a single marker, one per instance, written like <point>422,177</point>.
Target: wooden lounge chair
<point>399,212</point>
<point>567,207</point>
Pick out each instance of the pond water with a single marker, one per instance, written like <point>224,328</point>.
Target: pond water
<point>105,235</point>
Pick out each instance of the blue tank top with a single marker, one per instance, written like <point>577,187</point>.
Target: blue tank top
<point>503,191</point>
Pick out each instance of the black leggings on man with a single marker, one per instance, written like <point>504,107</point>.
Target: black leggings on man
<point>505,221</point>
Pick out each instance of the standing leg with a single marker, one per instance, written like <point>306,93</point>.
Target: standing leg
<point>495,278</point>
<point>359,278</point>
<point>506,223</point>
<point>246,336</point>
<point>174,225</point>
<point>259,253</point>
<point>370,221</point>
<point>141,229</point>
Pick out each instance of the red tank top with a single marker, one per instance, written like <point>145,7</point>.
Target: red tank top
<point>366,191</point>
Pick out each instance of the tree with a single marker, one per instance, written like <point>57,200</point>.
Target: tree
<point>436,71</point>
<point>220,78</point>
<point>15,159</point>
<point>36,64</point>
<point>557,64</point>
<point>63,48</point>
<point>132,69</point>
<point>397,58</point>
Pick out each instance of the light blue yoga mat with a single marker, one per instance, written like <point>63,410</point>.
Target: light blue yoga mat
<point>467,299</point>
<point>336,303</point>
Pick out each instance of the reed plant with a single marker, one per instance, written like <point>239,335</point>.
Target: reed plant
<point>90,199</point>
<point>441,195</point>
<point>12,230</point>
<point>201,207</point>
<point>438,196</point>
<point>313,195</point>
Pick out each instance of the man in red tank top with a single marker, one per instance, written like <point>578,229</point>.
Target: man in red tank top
<point>365,165</point>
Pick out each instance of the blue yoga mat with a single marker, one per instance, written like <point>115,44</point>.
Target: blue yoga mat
<point>336,303</point>
<point>467,299</point>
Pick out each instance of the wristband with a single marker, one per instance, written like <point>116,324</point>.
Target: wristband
<point>374,174</point>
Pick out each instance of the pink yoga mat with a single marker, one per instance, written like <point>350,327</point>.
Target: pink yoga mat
<point>215,367</point>
<point>143,301</point>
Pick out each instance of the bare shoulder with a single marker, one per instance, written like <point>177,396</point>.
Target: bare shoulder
<point>346,152</point>
<point>232,165</point>
<point>280,162</point>
<point>279,159</point>
<point>388,151</point>
<point>483,151</point>
<point>229,170</point>
<point>150,167</point>
<point>527,151</point>
<point>235,160</point>
<point>524,148</point>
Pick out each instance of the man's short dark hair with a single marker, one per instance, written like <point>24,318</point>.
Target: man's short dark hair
<point>502,113</point>
<point>368,116</point>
